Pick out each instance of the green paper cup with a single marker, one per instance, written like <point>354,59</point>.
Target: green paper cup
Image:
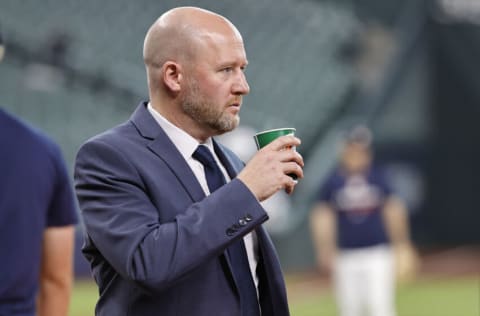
<point>266,137</point>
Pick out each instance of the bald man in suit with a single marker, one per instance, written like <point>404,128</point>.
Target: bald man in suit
<point>160,239</point>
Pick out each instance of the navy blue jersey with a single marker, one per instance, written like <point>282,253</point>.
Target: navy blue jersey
<point>35,193</point>
<point>358,201</point>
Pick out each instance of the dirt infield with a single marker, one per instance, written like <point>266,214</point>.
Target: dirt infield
<point>451,262</point>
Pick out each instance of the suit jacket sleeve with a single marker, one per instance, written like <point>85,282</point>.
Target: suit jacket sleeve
<point>127,229</point>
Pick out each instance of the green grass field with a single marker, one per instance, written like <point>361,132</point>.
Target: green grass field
<point>425,297</point>
<point>432,297</point>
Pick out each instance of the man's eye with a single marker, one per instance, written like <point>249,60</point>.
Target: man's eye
<point>228,69</point>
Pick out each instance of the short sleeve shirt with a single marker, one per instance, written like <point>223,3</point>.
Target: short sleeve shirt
<point>358,201</point>
<point>35,193</point>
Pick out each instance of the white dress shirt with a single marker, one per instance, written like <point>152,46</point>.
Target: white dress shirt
<point>187,145</point>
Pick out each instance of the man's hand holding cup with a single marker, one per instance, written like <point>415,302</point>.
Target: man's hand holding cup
<point>276,166</point>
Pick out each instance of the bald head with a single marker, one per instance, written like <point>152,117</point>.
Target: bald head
<point>176,34</point>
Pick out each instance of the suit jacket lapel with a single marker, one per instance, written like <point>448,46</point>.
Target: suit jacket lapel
<point>273,297</point>
<point>233,166</point>
<point>163,147</point>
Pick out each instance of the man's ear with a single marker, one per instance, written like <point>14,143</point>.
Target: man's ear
<point>172,75</point>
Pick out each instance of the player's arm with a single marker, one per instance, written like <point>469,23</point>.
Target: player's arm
<point>396,221</point>
<point>56,276</point>
<point>323,226</point>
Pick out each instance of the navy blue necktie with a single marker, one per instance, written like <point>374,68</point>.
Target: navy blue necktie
<point>236,252</point>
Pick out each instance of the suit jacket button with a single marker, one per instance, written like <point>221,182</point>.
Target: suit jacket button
<point>230,232</point>
<point>242,222</point>
<point>248,218</point>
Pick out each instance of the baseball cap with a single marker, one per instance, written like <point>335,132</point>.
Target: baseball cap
<point>359,134</point>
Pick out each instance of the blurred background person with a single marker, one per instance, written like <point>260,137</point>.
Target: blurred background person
<point>37,218</point>
<point>355,222</point>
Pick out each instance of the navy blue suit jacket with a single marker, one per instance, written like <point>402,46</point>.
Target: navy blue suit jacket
<point>155,243</point>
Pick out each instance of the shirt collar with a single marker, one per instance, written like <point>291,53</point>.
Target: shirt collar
<point>184,142</point>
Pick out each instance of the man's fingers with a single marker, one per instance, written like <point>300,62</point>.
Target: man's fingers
<point>293,167</point>
<point>290,185</point>
<point>284,142</point>
<point>291,155</point>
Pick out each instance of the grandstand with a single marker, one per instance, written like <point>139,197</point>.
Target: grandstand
<point>74,68</point>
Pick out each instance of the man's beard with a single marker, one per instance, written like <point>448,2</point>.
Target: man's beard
<point>206,113</point>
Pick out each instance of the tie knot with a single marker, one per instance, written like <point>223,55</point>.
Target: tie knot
<point>203,154</point>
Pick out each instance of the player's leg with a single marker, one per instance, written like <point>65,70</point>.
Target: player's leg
<point>348,284</point>
<point>381,282</point>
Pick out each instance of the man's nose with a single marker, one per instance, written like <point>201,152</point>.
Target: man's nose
<point>241,87</point>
